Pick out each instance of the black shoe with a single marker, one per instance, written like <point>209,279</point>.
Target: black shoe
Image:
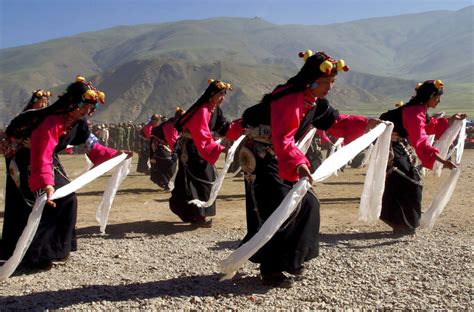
<point>277,279</point>
<point>41,266</point>
<point>403,230</point>
<point>202,223</point>
<point>297,272</point>
<point>63,259</point>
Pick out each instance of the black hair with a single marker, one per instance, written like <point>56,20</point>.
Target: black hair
<point>23,124</point>
<point>424,92</point>
<point>211,90</point>
<point>307,75</point>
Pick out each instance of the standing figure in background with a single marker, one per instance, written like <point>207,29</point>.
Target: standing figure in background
<point>35,138</point>
<point>197,153</point>
<point>142,165</point>
<point>401,203</point>
<point>163,158</point>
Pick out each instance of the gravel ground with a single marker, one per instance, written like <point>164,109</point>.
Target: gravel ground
<point>149,261</point>
<point>358,269</point>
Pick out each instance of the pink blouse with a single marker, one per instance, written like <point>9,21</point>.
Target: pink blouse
<point>323,136</point>
<point>414,122</point>
<point>42,144</point>
<point>286,115</point>
<point>147,130</point>
<point>170,133</point>
<point>198,126</point>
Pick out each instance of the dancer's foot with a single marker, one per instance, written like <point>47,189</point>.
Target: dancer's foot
<point>277,279</point>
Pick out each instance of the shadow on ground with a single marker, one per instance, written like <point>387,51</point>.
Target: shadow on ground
<point>119,231</point>
<point>122,192</point>
<point>371,240</point>
<point>199,285</point>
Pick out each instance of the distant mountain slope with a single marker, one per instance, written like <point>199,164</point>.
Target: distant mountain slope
<point>168,64</point>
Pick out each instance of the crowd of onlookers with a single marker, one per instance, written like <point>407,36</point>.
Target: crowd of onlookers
<point>128,136</point>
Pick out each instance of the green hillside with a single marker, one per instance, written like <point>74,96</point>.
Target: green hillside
<point>150,68</point>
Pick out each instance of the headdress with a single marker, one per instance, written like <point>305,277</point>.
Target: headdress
<point>77,94</point>
<point>327,65</point>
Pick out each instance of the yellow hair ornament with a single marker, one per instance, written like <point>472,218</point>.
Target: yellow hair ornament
<point>341,65</point>
<point>79,78</point>
<point>305,55</point>
<point>40,93</point>
<point>101,96</point>
<point>326,67</point>
<point>222,85</point>
<point>401,103</point>
<point>90,95</point>
<point>210,81</point>
<point>418,85</point>
<point>438,84</point>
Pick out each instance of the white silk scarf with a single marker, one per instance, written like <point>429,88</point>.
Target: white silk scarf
<point>235,260</point>
<point>35,216</point>
<point>216,186</point>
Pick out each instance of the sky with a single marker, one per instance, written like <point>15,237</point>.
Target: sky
<point>24,22</point>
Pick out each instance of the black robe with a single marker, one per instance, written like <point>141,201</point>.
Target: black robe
<point>195,175</point>
<point>297,240</point>
<point>55,237</point>
<point>401,201</point>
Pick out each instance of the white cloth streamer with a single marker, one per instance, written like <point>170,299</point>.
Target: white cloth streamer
<point>374,184</point>
<point>334,148</point>
<point>431,139</point>
<point>173,178</point>
<point>33,220</point>
<point>439,202</point>
<point>305,142</point>
<point>461,142</point>
<point>235,260</point>
<point>103,210</point>
<point>445,142</point>
<point>216,186</point>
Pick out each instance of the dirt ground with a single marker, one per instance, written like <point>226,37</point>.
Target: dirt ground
<point>140,202</point>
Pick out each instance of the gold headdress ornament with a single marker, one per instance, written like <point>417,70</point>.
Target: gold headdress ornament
<point>40,93</point>
<point>80,78</point>
<point>179,111</point>
<point>328,65</point>
<point>401,103</point>
<point>437,83</point>
<point>93,94</point>
<point>221,85</point>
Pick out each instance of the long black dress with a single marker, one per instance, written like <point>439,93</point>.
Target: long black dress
<point>55,237</point>
<point>195,175</point>
<point>401,201</point>
<point>297,240</point>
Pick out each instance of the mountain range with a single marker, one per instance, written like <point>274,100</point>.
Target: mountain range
<point>153,68</point>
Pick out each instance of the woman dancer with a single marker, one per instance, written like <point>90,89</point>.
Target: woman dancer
<point>401,203</point>
<point>273,163</point>
<point>198,152</point>
<point>34,139</point>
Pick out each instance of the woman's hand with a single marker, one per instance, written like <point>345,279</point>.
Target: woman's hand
<point>372,123</point>
<point>457,116</point>
<point>49,190</point>
<point>129,153</point>
<point>303,171</point>
<point>446,163</point>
